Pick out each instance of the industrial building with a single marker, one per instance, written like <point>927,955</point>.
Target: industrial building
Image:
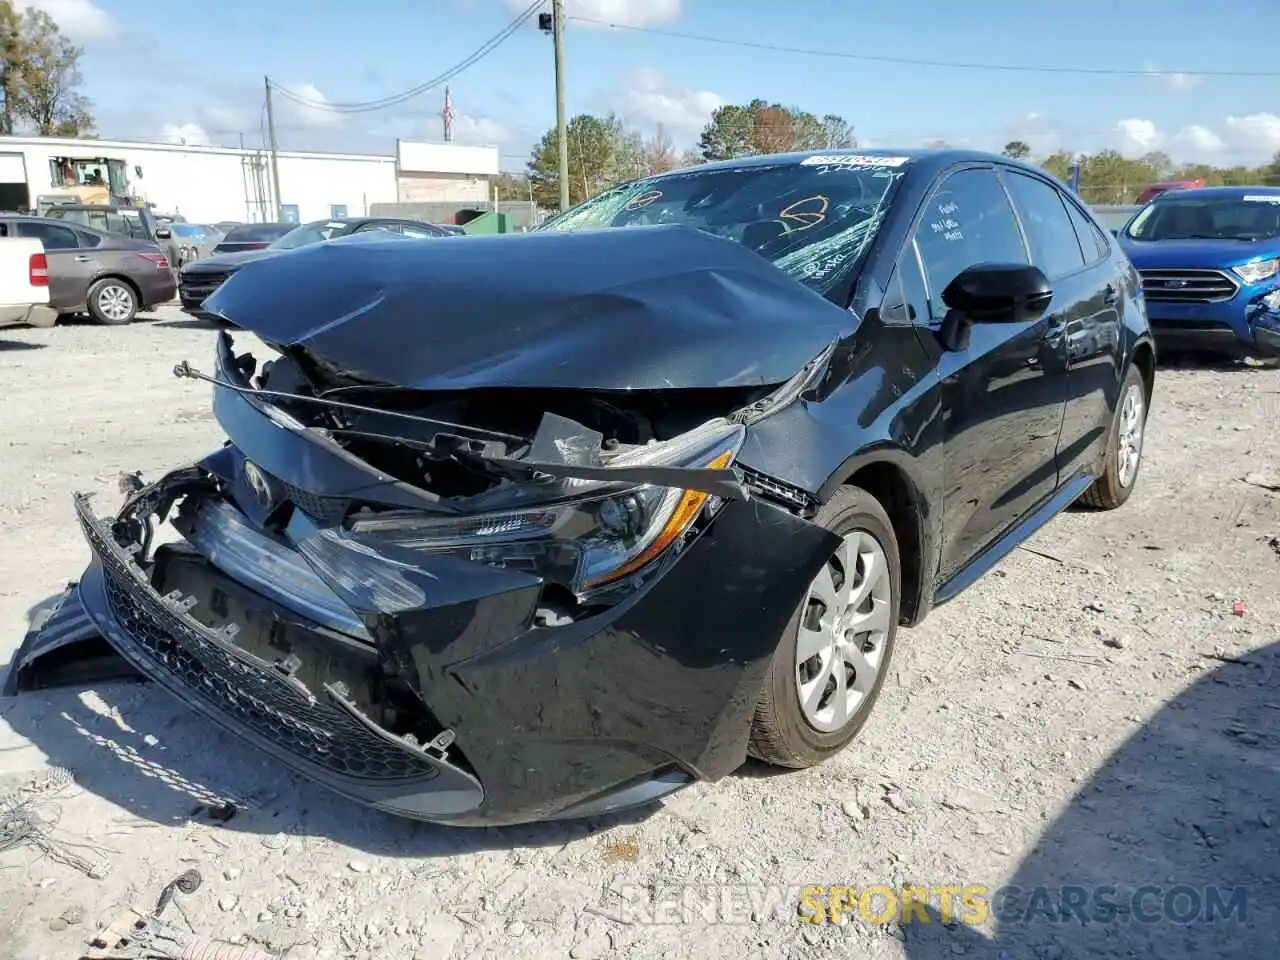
<point>208,184</point>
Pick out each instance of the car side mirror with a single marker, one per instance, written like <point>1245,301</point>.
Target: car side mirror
<point>992,293</point>
<point>163,234</point>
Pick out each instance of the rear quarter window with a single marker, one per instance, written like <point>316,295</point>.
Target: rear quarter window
<point>1092,242</point>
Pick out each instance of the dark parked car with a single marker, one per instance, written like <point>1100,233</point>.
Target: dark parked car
<point>199,279</point>
<point>551,524</point>
<point>251,236</point>
<point>109,276</point>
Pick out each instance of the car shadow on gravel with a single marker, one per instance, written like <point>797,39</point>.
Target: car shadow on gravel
<point>1211,362</point>
<point>1180,829</point>
<point>135,746</point>
<point>191,323</point>
<point>14,346</point>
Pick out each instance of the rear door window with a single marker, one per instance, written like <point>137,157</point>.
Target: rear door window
<point>54,236</point>
<point>1054,246</point>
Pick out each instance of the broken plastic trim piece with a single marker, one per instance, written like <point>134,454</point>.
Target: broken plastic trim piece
<point>184,371</point>
<point>435,752</point>
<point>723,483</point>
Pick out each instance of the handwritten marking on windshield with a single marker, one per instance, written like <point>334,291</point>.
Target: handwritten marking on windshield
<point>806,218</point>
<point>644,199</point>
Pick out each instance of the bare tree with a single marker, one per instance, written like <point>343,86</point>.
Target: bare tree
<point>660,153</point>
<point>47,93</point>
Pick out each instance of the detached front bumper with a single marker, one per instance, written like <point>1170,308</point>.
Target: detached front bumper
<point>451,707</point>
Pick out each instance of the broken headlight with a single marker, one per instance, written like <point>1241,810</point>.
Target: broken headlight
<point>599,536</point>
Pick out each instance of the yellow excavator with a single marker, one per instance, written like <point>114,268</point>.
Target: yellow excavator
<point>89,180</point>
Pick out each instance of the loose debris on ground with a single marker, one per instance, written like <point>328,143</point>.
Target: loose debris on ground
<point>1095,708</point>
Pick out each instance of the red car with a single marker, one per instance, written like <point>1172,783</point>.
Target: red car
<point>1155,189</point>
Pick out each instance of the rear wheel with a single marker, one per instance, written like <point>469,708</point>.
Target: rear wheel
<point>1124,446</point>
<point>112,302</point>
<point>832,661</point>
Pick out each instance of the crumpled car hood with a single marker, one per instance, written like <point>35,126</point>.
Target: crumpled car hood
<point>637,308</point>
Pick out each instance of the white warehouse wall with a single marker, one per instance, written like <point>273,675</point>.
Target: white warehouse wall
<point>317,182</point>
<point>216,183</point>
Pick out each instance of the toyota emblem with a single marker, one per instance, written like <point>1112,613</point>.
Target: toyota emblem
<point>258,484</point>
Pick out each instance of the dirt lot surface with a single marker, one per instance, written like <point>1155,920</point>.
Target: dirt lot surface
<point>1099,711</point>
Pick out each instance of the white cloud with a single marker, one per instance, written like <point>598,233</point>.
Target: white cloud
<point>191,134</point>
<point>1137,136</point>
<point>476,131</point>
<point>1197,144</point>
<point>82,21</point>
<point>645,98</point>
<point>1257,134</point>
<point>1174,80</point>
<point>624,13</point>
<point>1248,140</point>
<point>311,113</point>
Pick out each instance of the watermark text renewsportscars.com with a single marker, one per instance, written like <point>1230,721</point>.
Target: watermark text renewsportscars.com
<point>970,904</point>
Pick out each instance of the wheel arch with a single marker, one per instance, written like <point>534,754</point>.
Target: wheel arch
<point>1144,358</point>
<point>122,278</point>
<point>888,475</point>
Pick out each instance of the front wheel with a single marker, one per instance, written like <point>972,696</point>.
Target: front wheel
<point>830,665</point>
<point>112,302</point>
<point>1124,446</point>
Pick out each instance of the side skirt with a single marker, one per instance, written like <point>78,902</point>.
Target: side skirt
<point>1015,537</point>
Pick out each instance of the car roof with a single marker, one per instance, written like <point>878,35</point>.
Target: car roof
<point>74,225</point>
<point>929,160</point>
<point>358,220</point>
<point>96,206</point>
<point>1219,193</point>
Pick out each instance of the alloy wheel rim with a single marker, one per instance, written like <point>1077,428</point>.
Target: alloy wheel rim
<point>844,630</point>
<point>1129,446</point>
<point>115,302</point>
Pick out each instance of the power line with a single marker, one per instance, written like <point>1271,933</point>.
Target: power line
<point>368,106</point>
<point>917,62</point>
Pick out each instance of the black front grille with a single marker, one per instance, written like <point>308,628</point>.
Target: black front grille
<point>1188,286</point>
<point>325,509</point>
<point>183,654</point>
<point>199,287</point>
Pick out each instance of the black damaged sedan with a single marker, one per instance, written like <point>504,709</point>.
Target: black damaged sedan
<point>549,525</point>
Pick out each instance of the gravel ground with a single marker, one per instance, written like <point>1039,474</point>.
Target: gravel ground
<point>1099,711</point>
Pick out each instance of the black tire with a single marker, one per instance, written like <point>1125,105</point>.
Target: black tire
<point>780,733</point>
<point>106,299</point>
<point>1108,492</point>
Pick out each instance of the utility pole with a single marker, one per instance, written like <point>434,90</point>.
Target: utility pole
<point>562,129</point>
<point>275,165</point>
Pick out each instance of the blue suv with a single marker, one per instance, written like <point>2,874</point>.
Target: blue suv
<point>1210,265</point>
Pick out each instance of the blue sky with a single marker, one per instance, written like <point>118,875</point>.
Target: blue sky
<point>160,69</point>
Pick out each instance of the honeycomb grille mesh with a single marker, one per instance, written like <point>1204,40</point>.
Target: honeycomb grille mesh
<point>175,649</point>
